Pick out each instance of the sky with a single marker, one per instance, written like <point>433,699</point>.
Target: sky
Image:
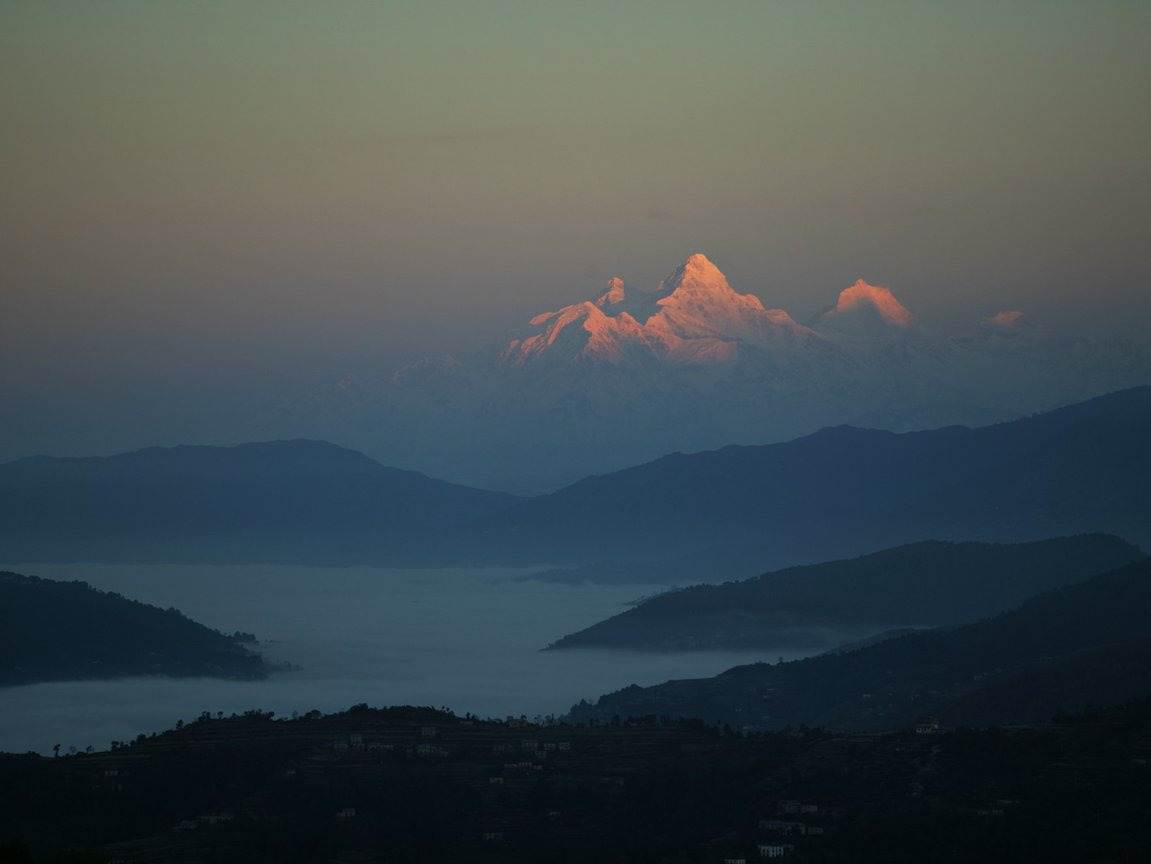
<point>200,202</point>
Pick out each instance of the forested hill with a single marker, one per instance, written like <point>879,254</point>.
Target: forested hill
<point>1081,644</point>
<point>56,631</point>
<point>918,585</point>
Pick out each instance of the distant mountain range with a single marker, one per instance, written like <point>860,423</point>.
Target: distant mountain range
<point>629,375</point>
<point>1082,644</point>
<point>705,517</point>
<point>919,585</point>
<point>842,492</point>
<point>280,501</point>
<point>65,631</point>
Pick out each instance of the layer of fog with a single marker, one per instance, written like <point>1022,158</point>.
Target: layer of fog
<point>464,639</point>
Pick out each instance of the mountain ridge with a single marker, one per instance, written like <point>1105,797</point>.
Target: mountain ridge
<point>840,492</point>
<point>1085,643</point>
<point>287,501</point>
<point>693,316</point>
<point>924,584</point>
<point>626,375</point>
<point>845,491</point>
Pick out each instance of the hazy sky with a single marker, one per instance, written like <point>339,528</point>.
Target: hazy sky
<point>200,198</point>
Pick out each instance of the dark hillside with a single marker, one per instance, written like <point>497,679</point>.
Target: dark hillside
<point>58,631</point>
<point>418,785</point>
<point>923,584</point>
<point>1081,644</point>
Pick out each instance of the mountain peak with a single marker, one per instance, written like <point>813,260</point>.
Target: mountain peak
<point>699,261</point>
<point>693,317</point>
<point>1005,319</point>
<point>881,299</point>
<point>615,294</point>
<point>696,274</point>
<point>869,301</point>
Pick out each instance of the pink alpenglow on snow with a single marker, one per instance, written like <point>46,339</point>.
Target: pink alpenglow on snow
<point>1007,318</point>
<point>692,316</point>
<point>862,294</point>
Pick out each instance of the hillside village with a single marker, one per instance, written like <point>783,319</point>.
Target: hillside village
<point>420,784</point>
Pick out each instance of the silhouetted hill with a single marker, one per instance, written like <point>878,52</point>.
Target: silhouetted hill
<point>845,491</point>
<point>418,785</point>
<point>59,631</point>
<point>1087,643</point>
<point>922,584</point>
<point>280,501</point>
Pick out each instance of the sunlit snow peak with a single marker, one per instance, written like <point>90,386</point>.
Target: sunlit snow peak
<point>862,305</point>
<point>693,316</point>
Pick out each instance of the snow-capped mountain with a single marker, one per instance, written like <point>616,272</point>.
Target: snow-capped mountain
<point>692,364</point>
<point>692,317</point>
<point>863,308</point>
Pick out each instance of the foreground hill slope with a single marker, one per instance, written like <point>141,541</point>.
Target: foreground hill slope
<point>1087,643</point>
<point>280,501</point>
<point>922,584</point>
<point>845,491</point>
<point>409,784</point>
<point>62,631</point>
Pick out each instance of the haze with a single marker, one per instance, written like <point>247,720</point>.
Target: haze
<point>468,639</point>
<point>209,210</point>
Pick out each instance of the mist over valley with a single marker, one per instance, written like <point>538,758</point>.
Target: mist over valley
<point>467,639</point>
